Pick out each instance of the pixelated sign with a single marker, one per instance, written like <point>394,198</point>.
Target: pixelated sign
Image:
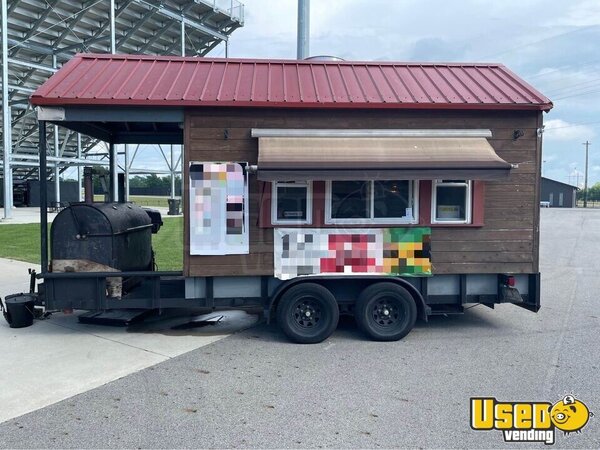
<point>218,209</point>
<point>385,251</point>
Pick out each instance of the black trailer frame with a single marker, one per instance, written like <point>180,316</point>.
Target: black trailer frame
<point>160,290</point>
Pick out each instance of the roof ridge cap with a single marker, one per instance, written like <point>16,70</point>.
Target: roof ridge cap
<point>290,61</point>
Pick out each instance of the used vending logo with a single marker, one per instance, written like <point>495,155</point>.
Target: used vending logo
<point>529,421</point>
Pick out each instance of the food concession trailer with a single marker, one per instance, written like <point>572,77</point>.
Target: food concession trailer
<point>390,191</point>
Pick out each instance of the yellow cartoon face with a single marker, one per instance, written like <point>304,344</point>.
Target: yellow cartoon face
<point>569,414</point>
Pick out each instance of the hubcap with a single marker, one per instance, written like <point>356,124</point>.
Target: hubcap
<point>386,312</point>
<point>307,312</point>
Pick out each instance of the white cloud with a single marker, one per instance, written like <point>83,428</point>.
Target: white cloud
<point>566,81</point>
<point>582,13</point>
<point>561,130</point>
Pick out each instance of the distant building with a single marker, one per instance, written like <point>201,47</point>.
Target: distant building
<point>558,194</point>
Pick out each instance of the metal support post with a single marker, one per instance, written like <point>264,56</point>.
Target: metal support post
<point>80,187</point>
<point>43,198</point>
<point>113,48</point>
<point>56,155</point>
<point>56,167</point>
<point>114,185</point>
<point>127,165</point>
<point>172,172</point>
<point>182,36</point>
<point>303,46</point>
<point>6,117</point>
<point>8,174</point>
<point>585,182</point>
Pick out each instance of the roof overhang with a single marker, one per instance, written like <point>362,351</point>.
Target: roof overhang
<point>377,154</point>
<point>123,125</point>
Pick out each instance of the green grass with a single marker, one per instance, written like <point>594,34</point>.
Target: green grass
<point>147,200</point>
<point>168,244</point>
<point>22,242</point>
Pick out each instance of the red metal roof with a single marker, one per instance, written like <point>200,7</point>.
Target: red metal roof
<point>129,80</point>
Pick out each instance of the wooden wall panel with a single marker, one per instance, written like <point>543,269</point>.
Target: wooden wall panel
<point>508,241</point>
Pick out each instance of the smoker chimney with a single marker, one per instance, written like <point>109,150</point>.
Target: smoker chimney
<point>121,187</point>
<point>88,185</point>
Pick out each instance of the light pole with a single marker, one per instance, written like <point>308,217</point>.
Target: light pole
<point>585,179</point>
<point>544,166</point>
<point>303,40</point>
<point>574,176</point>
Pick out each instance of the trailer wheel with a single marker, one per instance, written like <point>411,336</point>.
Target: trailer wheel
<point>385,312</point>
<point>308,313</point>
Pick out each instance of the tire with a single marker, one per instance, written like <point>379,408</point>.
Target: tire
<point>385,311</point>
<point>308,313</point>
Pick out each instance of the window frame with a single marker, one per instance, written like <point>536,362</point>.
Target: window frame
<point>413,192</point>
<point>468,201</point>
<point>309,203</point>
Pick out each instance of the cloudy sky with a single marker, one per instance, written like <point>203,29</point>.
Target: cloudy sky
<point>553,44</point>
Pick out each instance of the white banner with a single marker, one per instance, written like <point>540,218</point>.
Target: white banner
<point>218,209</point>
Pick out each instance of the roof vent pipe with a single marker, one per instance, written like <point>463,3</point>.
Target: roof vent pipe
<point>324,58</point>
<point>303,28</point>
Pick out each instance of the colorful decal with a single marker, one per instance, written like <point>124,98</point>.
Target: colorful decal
<point>218,202</point>
<point>385,251</point>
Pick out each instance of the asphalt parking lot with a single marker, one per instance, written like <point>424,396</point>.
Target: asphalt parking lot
<point>255,389</point>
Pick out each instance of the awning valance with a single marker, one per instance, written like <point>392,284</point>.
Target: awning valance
<point>356,158</point>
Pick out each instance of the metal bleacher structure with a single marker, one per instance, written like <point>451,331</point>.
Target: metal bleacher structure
<point>38,36</point>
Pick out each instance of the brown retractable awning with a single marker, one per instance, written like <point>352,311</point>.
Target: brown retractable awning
<point>352,158</point>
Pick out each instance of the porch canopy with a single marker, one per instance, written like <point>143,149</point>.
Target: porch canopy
<point>377,154</point>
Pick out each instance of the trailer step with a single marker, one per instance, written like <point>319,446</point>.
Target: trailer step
<point>437,310</point>
<point>115,317</point>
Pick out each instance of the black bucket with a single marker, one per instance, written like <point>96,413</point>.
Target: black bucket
<point>18,310</point>
<point>174,204</point>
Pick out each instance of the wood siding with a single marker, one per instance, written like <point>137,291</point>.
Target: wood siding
<point>507,242</point>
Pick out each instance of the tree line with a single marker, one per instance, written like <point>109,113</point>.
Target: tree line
<point>593,193</point>
<point>151,181</point>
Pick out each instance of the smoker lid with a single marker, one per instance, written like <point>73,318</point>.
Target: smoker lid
<point>97,217</point>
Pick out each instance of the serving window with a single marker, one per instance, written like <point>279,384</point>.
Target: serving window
<point>371,202</point>
<point>376,177</point>
<point>451,201</point>
<point>291,203</point>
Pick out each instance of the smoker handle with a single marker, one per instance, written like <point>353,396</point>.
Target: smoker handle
<point>128,230</point>
<point>77,225</point>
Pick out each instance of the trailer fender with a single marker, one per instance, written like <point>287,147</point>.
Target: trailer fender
<point>423,310</point>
